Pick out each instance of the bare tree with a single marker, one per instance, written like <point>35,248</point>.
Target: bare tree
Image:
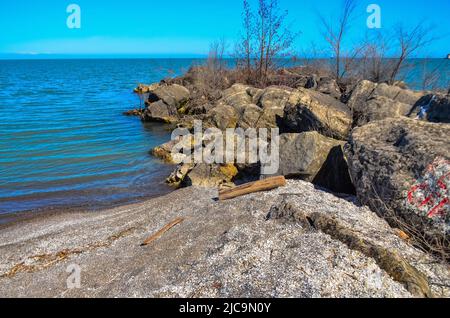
<point>409,43</point>
<point>276,37</point>
<point>247,41</point>
<point>335,34</point>
<point>266,37</point>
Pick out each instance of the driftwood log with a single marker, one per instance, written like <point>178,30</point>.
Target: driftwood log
<point>158,234</point>
<point>258,186</point>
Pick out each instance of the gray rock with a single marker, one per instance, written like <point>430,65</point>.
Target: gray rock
<point>315,158</point>
<point>308,110</point>
<point>380,107</point>
<point>160,112</point>
<point>397,93</point>
<point>370,101</point>
<point>303,155</point>
<point>172,95</point>
<point>329,86</point>
<point>275,98</point>
<point>439,111</point>
<point>396,164</point>
<point>251,117</point>
<point>237,96</point>
<point>222,117</point>
<point>360,94</point>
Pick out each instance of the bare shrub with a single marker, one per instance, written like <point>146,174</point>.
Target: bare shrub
<point>212,76</point>
<point>375,64</point>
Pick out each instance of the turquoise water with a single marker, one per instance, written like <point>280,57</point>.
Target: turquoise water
<point>64,140</point>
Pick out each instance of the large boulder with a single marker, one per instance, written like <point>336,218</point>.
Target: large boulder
<point>222,117</point>
<point>439,109</point>
<point>251,117</point>
<point>254,116</point>
<point>237,96</point>
<point>160,112</point>
<point>380,107</point>
<point>360,94</point>
<point>329,86</point>
<point>255,108</point>
<point>164,102</point>
<point>275,97</point>
<point>308,110</point>
<point>315,158</point>
<point>401,169</point>
<point>397,93</point>
<point>175,96</point>
<point>272,101</point>
<point>325,85</point>
<point>210,176</point>
<point>371,101</point>
<point>165,151</point>
<point>365,90</point>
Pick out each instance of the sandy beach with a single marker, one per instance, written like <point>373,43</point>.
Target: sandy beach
<point>221,249</point>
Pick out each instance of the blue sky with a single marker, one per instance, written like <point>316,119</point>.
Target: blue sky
<point>183,27</point>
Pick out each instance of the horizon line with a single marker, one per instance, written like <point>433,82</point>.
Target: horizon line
<point>58,56</point>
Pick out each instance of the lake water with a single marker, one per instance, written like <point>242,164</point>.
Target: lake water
<point>64,140</point>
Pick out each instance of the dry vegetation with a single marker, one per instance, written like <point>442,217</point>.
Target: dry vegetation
<point>266,43</point>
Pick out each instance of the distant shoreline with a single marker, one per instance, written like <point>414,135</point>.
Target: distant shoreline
<point>144,57</point>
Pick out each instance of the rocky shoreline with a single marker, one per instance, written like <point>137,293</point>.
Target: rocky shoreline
<point>368,167</point>
<point>388,145</point>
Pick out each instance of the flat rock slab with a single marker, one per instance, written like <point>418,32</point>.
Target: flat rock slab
<point>221,249</point>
